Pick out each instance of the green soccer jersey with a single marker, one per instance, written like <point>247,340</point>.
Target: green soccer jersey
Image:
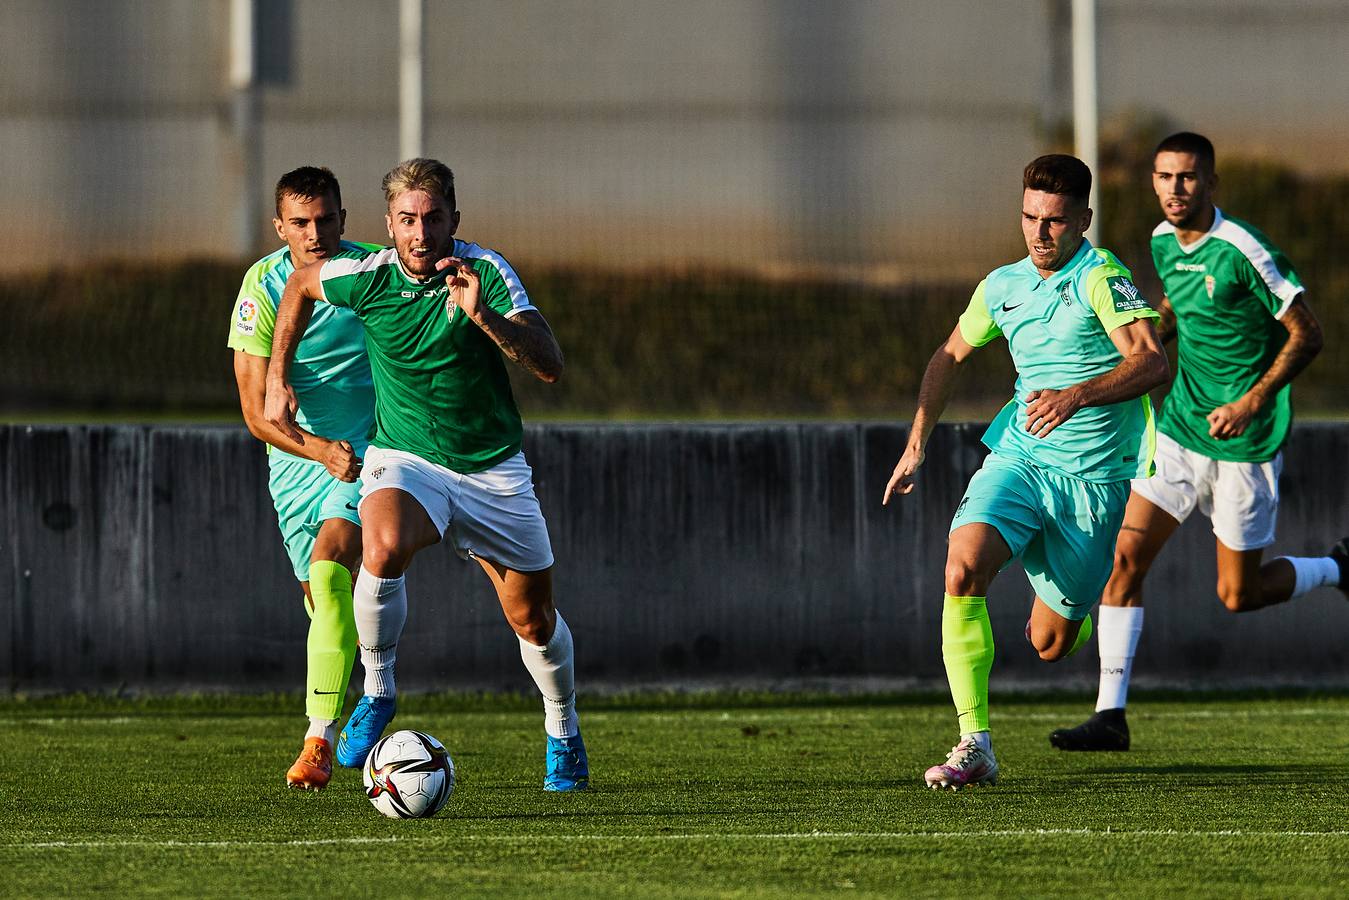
<point>441,387</point>
<point>1058,331</point>
<point>1228,289</point>
<point>331,372</point>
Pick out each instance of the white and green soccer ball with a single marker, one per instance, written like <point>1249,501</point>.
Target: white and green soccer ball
<point>408,775</point>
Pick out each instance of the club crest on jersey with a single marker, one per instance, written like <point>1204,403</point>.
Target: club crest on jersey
<point>1209,284</point>
<point>247,318</point>
<point>1127,297</point>
<point>1066,293</point>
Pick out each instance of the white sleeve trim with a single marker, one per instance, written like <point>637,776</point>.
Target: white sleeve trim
<point>1262,261</point>
<point>345,265</point>
<point>519,298</point>
<point>1288,302</point>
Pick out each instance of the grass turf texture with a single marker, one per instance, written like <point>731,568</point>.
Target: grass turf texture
<point>720,796</point>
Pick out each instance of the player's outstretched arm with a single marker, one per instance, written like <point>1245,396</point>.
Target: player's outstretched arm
<point>526,339</point>
<point>1143,368</point>
<point>250,373</point>
<point>1304,342</point>
<point>939,379</point>
<point>292,317</point>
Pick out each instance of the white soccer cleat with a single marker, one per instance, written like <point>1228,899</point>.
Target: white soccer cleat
<point>967,763</point>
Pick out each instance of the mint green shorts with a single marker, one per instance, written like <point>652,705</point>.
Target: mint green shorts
<point>306,496</point>
<point>1062,529</point>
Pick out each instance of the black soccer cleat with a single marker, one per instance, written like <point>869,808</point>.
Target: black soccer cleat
<point>1105,730</point>
<point>1340,553</point>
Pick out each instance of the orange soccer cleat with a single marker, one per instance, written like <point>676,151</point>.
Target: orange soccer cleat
<point>314,766</point>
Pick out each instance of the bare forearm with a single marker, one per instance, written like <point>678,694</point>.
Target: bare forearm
<point>1292,359</point>
<point>939,380</point>
<point>292,317</point>
<point>530,345</point>
<point>1135,375</point>
<point>314,447</point>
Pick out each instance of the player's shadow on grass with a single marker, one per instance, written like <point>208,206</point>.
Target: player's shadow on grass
<point>1259,774</point>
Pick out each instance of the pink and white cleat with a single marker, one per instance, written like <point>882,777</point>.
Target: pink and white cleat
<point>967,763</point>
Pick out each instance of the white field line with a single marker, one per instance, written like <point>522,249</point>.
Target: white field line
<point>758,715</point>
<point>676,838</point>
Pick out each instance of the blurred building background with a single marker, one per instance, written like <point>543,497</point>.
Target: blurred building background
<point>863,155</point>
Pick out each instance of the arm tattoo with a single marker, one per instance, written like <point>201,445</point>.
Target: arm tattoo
<point>527,342</point>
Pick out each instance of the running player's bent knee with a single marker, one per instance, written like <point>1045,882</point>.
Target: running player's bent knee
<point>384,559</point>
<point>534,626</point>
<point>1055,651</point>
<point>963,580</point>
<point>1238,598</point>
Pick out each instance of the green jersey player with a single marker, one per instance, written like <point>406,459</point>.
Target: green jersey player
<point>445,460</point>
<point>1052,490</point>
<point>313,480</point>
<point>1243,332</point>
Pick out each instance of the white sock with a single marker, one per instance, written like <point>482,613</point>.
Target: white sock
<point>981,738</point>
<point>381,608</point>
<point>552,670</point>
<point>1312,572</point>
<point>323,728</point>
<point>1117,631</point>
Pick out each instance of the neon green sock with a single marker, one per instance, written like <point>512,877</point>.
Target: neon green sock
<point>1083,635</point>
<point>332,640</point>
<point>967,650</point>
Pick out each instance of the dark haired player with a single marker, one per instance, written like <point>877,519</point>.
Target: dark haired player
<point>313,483</point>
<point>1243,331</point>
<point>1053,488</point>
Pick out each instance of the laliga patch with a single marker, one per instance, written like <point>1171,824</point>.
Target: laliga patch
<point>247,319</point>
<point>1126,296</point>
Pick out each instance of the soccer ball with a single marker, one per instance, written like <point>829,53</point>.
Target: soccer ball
<point>408,775</point>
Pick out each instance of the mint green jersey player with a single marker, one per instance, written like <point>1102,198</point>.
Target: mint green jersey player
<point>1058,331</point>
<point>1228,290</point>
<point>331,373</point>
<point>336,398</point>
<point>442,390</point>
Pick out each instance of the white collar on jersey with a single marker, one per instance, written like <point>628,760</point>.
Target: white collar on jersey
<point>1190,248</point>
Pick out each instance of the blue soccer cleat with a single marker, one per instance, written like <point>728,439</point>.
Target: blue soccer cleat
<point>367,723</point>
<point>568,766</point>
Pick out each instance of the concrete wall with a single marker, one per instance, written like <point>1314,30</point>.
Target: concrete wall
<point>150,557</point>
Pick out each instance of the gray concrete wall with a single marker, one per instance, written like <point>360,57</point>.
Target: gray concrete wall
<point>149,557</point>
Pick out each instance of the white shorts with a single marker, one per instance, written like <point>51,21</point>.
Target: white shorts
<point>492,515</point>
<point>1240,498</point>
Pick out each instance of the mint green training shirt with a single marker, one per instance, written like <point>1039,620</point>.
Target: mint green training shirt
<point>331,372</point>
<point>1058,331</point>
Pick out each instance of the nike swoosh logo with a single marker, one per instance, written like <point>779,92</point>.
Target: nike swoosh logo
<point>1006,308</point>
<point>353,509</point>
<point>317,691</point>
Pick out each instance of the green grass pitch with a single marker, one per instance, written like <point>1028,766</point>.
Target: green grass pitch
<point>724,796</point>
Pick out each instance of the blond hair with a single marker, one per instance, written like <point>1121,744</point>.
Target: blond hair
<point>429,175</point>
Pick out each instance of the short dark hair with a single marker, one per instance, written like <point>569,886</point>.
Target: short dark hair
<point>308,183</point>
<point>1059,173</point>
<point>1189,142</point>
